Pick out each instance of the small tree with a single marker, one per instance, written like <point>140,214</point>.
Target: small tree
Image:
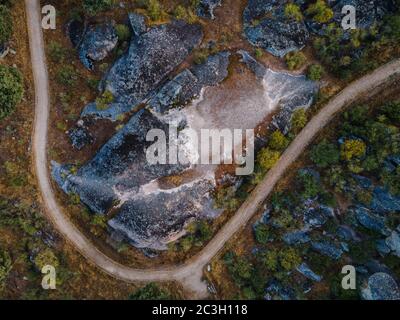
<point>315,72</point>
<point>123,32</point>
<point>295,60</point>
<point>278,141</point>
<point>352,148</point>
<point>267,158</point>
<point>289,259</point>
<point>325,154</point>
<point>299,120</point>
<point>154,10</point>
<point>11,90</point>
<point>292,11</point>
<point>320,11</point>
<point>180,12</point>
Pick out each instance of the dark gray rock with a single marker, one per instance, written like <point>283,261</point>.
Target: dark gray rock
<point>75,31</point>
<point>384,202</point>
<point>327,249</point>
<point>380,286</point>
<point>266,26</point>
<point>80,137</point>
<point>347,233</point>
<point>138,24</point>
<point>154,220</point>
<point>188,84</point>
<point>296,237</point>
<point>305,270</point>
<point>120,165</point>
<point>152,55</point>
<point>276,291</point>
<point>371,221</point>
<point>97,42</point>
<point>4,50</point>
<point>393,242</point>
<point>382,247</point>
<point>315,217</point>
<point>206,8</point>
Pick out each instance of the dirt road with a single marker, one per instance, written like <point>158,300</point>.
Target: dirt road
<point>189,273</point>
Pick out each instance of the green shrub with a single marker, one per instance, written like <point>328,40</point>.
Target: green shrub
<point>46,257</point>
<point>67,76</point>
<point>6,24</point>
<point>325,154</point>
<point>262,233</point>
<point>154,10</point>
<point>258,53</point>
<point>57,52</point>
<point>289,258</point>
<point>320,11</point>
<point>315,72</point>
<point>299,120</point>
<point>352,148</point>
<point>267,158</point>
<point>278,141</point>
<point>180,12</point>
<point>11,89</point>
<point>292,11</point>
<point>295,60</point>
<point>123,32</point>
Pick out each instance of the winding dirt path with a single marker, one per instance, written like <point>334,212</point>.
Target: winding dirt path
<point>189,273</point>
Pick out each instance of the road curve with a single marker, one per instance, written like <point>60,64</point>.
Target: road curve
<point>189,273</point>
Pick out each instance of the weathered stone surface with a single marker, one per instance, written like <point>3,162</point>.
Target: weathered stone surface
<point>75,30</point>
<point>138,24</point>
<point>97,42</point>
<point>299,91</point>
<point>371,221</point>
<point>266,26</point>
<point>305,270</point>
<point>120,177</point>
<point>80,137</point>
<point>206,8</point>
<point>347,233</point>
<point>327,249</point>
<point>384,202</point>
<point>152,55</point>
<point>153,220</point>
<point>296,237</point>
<point>120,165</point>
<point>380,286</point>
<point>188,84</point>
<point>393,242</point>
<point>276,291</point>
<point>382,247</point>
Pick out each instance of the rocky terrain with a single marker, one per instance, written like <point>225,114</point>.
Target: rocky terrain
<point>267,26</point>
<point>119,177</point>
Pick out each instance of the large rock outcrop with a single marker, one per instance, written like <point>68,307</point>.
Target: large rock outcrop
<point>121,177</point>
<point>97,42</point>
<point>266,26</point>
<point>152,55</point>
<point>381,286</point>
